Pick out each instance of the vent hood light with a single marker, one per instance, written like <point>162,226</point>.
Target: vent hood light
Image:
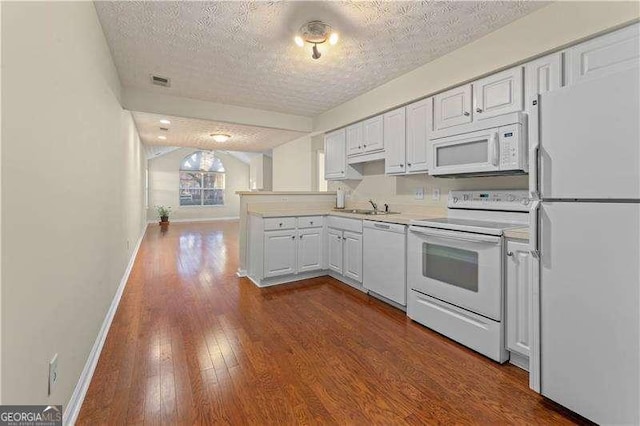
<point>165,121</point>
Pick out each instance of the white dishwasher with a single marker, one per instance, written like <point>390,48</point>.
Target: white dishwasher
<point>384,260</point>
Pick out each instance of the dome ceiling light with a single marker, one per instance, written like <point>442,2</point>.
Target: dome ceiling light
<point>220,137</point>
<point>316,32</point>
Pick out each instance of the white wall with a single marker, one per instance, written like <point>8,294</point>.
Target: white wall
<point>164,182</point>
<point>260,173</point>
<point>71,193</point>
<point>293,168</point>
<point>548,28</point>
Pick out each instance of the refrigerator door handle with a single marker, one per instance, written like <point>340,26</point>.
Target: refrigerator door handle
<point>533,229</point>
<point>534,144</point>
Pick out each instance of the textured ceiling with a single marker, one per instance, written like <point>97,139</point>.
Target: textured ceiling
<point>193,133</point>
<point>242,53</point>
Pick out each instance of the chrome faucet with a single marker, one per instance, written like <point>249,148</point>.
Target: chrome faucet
<point>374,205</point>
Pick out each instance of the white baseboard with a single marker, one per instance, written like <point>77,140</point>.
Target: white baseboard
<point>205,219</point>
<point>72,409</point>
<point>241,273</point>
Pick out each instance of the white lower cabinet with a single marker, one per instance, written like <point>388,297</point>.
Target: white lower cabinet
<point>334,250</point>
<point>279,253</point>
<point>344,248</point>
<point>310,249</point>
<point>352,253</point>
<point>518,294</point>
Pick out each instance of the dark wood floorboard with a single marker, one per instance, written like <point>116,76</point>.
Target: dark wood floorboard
<point>192,343</point>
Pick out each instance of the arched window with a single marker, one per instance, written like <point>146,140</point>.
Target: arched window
<point>201,180</point>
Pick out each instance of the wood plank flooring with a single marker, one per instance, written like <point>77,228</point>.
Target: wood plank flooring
<point>192,343</point>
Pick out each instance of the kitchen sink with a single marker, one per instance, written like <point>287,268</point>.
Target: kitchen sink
<point>367,212</point>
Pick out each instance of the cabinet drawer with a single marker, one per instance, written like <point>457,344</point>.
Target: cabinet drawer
<point>310,222</point>
<point>353,225</point>
<point>279,223</point>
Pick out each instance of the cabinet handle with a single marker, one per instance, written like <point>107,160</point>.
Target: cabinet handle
<point>401,165</point>
<point>365,145</point>
<point>359,146</point>
<point>509,253</point>
<point>408,164</point>
<point>311,222</point>
<point>301,236</point>
<point>280,224</point>
<point>339,237</point>
<point>466,114</point>
<point>478,109</point>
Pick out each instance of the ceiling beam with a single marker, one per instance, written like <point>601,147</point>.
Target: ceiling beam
<point>145,101</point>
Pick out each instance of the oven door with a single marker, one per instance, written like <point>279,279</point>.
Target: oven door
<point>460,268</point>
<point>475,152</point>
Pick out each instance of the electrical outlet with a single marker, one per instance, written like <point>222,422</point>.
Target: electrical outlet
<point>419,194</point>
<point>53,373</point>
<point>435,194</point>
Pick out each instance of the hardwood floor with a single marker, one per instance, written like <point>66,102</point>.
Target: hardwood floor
<point>192,343</point>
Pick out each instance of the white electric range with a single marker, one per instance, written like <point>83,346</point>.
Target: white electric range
<point>455,268</point>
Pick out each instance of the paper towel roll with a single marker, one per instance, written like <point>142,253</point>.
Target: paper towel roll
<point>340,198</point>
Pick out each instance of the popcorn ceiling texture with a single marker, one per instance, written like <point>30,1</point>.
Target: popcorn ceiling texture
<point>242,53</point>
<point>195,133</point>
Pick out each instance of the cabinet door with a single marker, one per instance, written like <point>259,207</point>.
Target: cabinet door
<point>335,155</point>
<point>279,253</point>
<point>395,141</point>
<point>373,138</point>
<point>352,255</point>
<point>419,127</point>
<point>518,288</point>
<point>453,107</point>
<point>498,94</point>
<point>613,52</point>
<point>541,76</point>
<point>334,250</point>
<point>310,250</point>
<point>354,139</point>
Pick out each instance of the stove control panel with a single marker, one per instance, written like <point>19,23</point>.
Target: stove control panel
<point>506,200</point>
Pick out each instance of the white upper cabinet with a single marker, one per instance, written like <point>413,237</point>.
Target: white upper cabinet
<point>335,163</point>
<point>310,249</point>
<point>354,139</point>
<point>453,107</point>
<point>373,138</point>
<point>395,141</point>
<point>609,53</point>
<point>542,75</point>
<point>419,127</point>
<point>498,94</point>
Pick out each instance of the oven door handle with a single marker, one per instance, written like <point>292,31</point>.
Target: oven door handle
<point>455,235</point>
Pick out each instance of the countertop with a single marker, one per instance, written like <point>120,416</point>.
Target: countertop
<point>402,218</point>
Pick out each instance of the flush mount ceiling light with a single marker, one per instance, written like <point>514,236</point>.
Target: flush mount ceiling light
<point>315,32</point>
<point>220,137</point>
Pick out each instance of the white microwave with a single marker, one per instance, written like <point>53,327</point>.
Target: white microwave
<point>495,150</point>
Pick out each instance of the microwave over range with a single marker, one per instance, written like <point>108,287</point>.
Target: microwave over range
<point>493,146</point>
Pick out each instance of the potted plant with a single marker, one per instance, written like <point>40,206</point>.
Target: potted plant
<point>163,213</point>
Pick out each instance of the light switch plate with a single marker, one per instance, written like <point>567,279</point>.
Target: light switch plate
<point>419,194</point>
<point>435,194</point>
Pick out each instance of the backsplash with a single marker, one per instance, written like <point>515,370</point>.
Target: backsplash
<point>399,191</point>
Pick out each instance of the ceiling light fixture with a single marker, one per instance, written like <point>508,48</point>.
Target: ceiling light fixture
<point>220,137</point>
<point>164,138</point>
<point>315,32</point>
<point>165,121</point>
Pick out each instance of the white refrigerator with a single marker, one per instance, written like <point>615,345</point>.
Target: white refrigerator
<point>586,234</point>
